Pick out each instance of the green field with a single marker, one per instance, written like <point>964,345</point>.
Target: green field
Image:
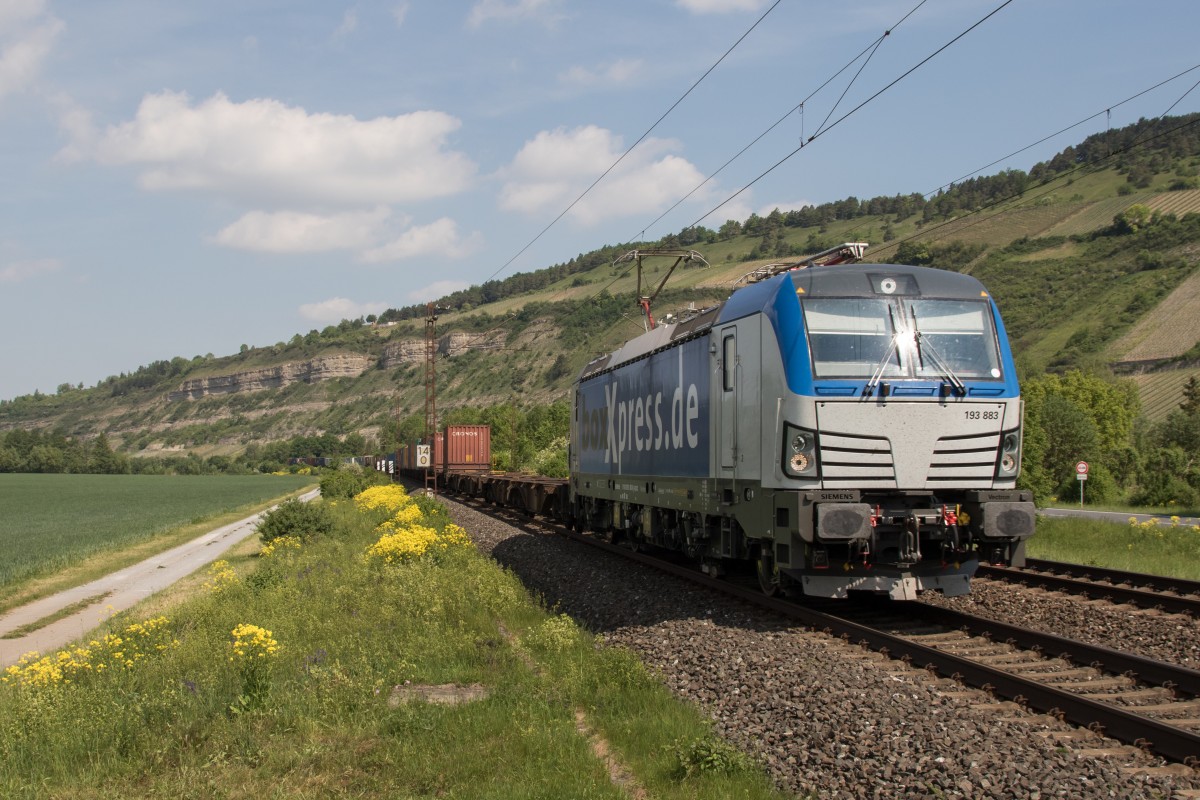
<point>1169,547</point>
<point>49,522</point>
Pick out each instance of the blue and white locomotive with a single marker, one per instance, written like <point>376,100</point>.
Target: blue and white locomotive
<point>854,427</point>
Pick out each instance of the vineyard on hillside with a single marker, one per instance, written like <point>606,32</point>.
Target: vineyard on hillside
<point>1177,203</point>
<point>1170,330</point>
<point>1088,217</point>
<point>1162,392</point>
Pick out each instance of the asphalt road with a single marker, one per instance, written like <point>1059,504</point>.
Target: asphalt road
<point>120,591</point>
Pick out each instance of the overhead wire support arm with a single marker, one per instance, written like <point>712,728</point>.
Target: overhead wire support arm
<point>644,300</point>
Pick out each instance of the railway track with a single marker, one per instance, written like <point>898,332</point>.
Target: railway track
<point>1174,595</point>
<point>1139,701</point>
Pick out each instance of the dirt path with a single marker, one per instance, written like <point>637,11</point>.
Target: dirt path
<point>117,591</point>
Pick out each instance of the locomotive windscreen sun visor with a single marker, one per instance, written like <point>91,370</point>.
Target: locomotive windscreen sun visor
<point>843,521</point>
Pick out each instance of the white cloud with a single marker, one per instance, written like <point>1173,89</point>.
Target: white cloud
<point>18,271</point>
<point>299,232</point>
<point>400,13</point>
<point>718,6</point>
<point>13,12</point>
<point>26,37</point>
<point>336,309</point>
<point>349,24</point>
<point>440,238</point>
<point>542,10</point>
<point>555,167</point>
<point>618,72</point>
<point>436,291</point>
<point>264,149</point>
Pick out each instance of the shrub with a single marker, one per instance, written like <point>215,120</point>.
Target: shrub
<point>345,483</point>
<point>293,518</point>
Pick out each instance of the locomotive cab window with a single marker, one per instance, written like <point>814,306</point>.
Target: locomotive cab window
<point>850,337</point>
<point>923,339</point>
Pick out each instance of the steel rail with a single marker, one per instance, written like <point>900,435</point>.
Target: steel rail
<point>1142,598</point>
<point>1117,662</point>
<point>1159,583</point>
<point>1169,742</point>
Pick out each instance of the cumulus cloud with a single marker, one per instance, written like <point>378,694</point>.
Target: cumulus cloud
<point>545,11</point>
<point>440,238</point>
<point>436,290</point>
<point>27,35</point>
<point>374,236</point>
<point>621,71</point>
<point>336,309</point>
<point>299,232</point>
<point>19,271</point>
<point>553,168</point>
<point>718,6</point>
<point>264,148</point>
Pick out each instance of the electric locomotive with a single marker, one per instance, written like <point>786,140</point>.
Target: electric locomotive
<point>844,428</point>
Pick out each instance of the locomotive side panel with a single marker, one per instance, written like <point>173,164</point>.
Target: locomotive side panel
<point>650,417</point>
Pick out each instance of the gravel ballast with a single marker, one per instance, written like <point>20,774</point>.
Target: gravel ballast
<point>828,718</point>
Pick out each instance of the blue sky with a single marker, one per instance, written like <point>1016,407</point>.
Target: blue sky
<point>180,178</point>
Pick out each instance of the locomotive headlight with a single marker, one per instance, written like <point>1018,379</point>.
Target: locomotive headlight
<point>1010,455</point>
<point>799,452</point>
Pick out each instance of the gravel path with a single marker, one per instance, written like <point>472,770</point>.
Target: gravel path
<point>829,718</point>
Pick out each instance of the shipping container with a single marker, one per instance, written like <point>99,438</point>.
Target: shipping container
<point>468,448</point>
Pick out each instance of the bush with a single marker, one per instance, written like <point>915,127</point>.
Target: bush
<point>345,483</point>
<point>293,518</point>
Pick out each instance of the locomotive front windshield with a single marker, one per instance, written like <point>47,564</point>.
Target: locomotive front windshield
<point>901,337</point>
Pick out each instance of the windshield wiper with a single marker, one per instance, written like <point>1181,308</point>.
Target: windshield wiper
<point>960,388</point>
<point>887,356</point>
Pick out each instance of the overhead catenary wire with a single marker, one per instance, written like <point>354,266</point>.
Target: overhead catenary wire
<point>869,51</point>
<point>1047,185</point>
<point>642,138</point>
<point>852,111</point>
<point>1107,111</point>
<point>1108,114</point>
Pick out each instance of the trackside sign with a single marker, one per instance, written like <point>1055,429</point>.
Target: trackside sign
<point>649,417</point>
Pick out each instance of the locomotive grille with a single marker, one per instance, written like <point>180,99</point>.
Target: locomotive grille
<point>860,461</point>
<point>965,460</point>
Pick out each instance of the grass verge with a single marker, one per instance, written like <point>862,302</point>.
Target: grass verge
<point>293,675</point>
<point>1168,548</point>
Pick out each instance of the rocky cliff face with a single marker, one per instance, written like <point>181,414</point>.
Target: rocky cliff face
<point>412,351</point>
<point>317,369</point>
<point>395,354</point>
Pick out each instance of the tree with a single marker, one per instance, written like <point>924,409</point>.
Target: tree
<point>1132,219</point>
<point>1191,397</point>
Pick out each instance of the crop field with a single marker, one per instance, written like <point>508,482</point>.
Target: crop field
<point>1161,392</point>
<point>49,522</point>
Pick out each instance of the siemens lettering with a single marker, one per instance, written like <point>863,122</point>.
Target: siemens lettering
<point>650,417</point>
